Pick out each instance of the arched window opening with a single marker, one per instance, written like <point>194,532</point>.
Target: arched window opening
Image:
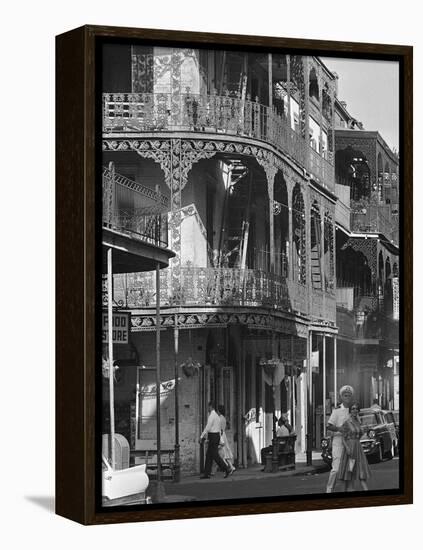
<point>381,274</point>
<point>353,272</point>
<point>298,90</point>
<point>313,86</point>
<point>379,185</point>
<point>388,288</point>
<point>387,174</point>
<point>395,272</point>
<point>316,247</point>
<point>281,226</point>
<point>352,170</point>
<point>329,253</point>
<point>299,236</point>
<point>326,103</point>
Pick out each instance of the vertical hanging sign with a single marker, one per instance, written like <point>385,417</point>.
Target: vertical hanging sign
<point>395,298</point>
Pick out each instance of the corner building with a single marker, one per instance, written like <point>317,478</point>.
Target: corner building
<point>242,147</point>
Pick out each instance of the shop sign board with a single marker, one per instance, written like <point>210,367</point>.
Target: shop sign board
<point>395,298</point>
<point>120,328</point>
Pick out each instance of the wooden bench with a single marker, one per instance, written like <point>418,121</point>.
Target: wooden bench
<point>149,457</point>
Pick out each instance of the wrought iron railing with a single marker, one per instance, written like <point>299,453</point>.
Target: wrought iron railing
<point>134,209</point>
<point>148,112</point>
<point>205,287</point>
<point>373,218</point>
<point>220,287</point>
<point>150,194</point>
<point>148,228</point>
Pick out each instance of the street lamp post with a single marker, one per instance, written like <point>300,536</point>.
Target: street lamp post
<point>270,366</point>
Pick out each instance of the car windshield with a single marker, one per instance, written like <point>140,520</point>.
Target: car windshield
<point>368,419</point>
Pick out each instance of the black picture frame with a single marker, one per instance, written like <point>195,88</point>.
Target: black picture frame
<point>78,472</point>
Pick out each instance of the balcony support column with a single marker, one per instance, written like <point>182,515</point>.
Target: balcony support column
<point>324,385</point>
<point>268,163</point>
<point>289,188</point>
<point>331,132</point>
<point>321,84</point>
<point>176,367</point>
<point>309,407</point>
<point>306,69</point>
<point>288,87</point>
<point>111,362</point>
<point>176,158</point>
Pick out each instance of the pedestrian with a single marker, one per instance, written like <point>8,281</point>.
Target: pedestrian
<point>213,431</point>
<point>224,448</point>
<point>284,427</point>
<point>375,405</point>
<point>353,465</point>
<point>335,423</point>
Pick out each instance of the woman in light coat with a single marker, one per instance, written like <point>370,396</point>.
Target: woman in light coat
<point>224,449</point>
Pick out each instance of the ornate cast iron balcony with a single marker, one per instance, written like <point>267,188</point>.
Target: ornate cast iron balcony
<point>373,218</point>
<point>142,112</point>
<point>221,287</point>
<point>201,286</point>
<point>145,222</point>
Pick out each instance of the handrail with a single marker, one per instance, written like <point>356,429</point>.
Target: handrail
<point>211,113</point>
<point>145,222</point>
<point>135,186</point>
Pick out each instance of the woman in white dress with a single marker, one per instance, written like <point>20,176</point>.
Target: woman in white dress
<point>224,449</point>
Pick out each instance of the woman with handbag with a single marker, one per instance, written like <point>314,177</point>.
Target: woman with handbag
<point>353,466</point>
<point>224,449</point>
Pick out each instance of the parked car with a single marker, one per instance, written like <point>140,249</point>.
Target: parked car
<point>392,417</point>
<point>379,440</point>
<point>126,483</point>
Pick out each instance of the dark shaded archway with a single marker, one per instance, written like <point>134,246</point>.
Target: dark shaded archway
<point>299,236</point>
<point>352,170</point>
<point>281,225</point>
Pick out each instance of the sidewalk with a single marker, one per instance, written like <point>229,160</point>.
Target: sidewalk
<point>256,472</point>
<point>187,489</point>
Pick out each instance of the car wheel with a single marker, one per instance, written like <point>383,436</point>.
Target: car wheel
<point>379,456</point>
<point>391,452</point>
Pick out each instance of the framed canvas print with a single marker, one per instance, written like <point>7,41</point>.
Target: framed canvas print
<point>234,275</point>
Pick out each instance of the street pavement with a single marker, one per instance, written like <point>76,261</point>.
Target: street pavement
<point>385,475</point>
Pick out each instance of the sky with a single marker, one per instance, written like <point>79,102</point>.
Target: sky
<point>371,90</point>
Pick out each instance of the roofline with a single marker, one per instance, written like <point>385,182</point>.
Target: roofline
<point>371,134</point>
<point>325,67</point>
<point>380,236</point>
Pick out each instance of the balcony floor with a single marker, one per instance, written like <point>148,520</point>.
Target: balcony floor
<point>131,254</point>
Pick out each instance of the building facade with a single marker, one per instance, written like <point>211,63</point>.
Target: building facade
<point>242,147</point>
<point>367,252</point>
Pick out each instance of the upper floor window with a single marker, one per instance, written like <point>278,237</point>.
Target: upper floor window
<point>313,85</point>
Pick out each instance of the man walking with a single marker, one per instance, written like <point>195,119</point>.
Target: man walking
<point>335,423</point>
<point>212,432</point>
